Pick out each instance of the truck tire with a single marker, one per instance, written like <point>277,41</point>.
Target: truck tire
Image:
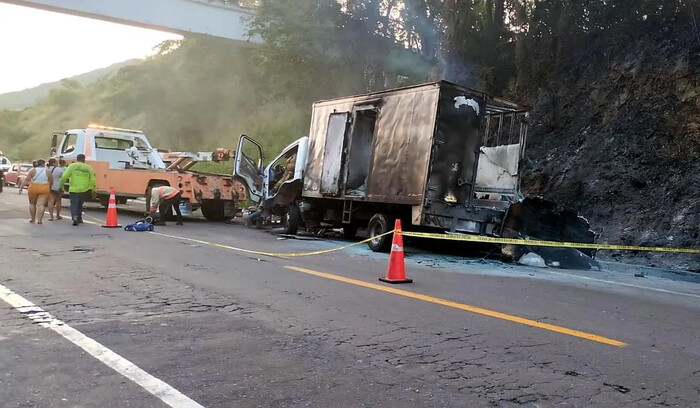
<point>291,220</point>
<point>349,231</point>
<point>213,210</point>
<point>379,224</point>
<point>104,200</point>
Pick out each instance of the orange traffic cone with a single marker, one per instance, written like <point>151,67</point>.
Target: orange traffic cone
<point>112,211</point>
<point>396,273</point>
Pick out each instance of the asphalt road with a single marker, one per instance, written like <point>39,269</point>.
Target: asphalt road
<point>183,318</point>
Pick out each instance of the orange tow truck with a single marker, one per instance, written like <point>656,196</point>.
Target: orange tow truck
<point>124,159</point>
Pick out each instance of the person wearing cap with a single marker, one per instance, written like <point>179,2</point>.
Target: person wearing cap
<point>162,198</point>
<point>82,182</point>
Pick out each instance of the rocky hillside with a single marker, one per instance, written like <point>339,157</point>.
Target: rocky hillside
<point>618,138</point>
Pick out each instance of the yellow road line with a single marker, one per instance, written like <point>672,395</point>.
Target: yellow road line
<point>462,306</point>
<point>405,293</point>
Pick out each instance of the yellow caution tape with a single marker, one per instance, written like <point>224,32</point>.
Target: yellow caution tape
<point>536,242</point>
<point>272,254</point>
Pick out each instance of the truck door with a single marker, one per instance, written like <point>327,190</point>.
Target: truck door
<point>249,166</point>
<point>359,149</point>
<point>71,145</point>
<point>333,153</point>
<point>54,143</point>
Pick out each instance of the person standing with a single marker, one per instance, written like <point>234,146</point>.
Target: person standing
<point>39,179</point>
<point>162,198</point>
<point>82,182</point>
<point>57,168</point>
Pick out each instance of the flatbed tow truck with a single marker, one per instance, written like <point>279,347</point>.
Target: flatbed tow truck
<point>124,159</point>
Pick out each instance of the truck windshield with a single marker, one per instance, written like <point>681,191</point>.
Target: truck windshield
<point>112,143</point>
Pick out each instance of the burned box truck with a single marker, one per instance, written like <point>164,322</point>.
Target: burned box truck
<point>438,156</point>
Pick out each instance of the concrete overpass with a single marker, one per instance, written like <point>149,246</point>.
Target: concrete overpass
<point>218,18</point>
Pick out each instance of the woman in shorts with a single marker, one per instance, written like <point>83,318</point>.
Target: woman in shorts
<point>39,180</point>
<point>56,168</point>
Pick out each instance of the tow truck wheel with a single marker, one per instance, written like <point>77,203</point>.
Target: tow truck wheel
<point>291,220</point>
<point>379,224</point>
<point>213,210</point>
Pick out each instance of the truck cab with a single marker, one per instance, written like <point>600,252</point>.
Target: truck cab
<point>278,184</point>
<point>121,148</point>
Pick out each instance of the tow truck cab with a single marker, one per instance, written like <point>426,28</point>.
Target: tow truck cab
<point>121,148</point>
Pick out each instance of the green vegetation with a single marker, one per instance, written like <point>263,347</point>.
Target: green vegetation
<point>197,95</point>
<point>202,92</point>
<point>32,96</point>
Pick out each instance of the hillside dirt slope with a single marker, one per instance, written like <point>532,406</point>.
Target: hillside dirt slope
<point>618,139</point>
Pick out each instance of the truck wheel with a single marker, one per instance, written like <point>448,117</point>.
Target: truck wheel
<point>213,210</point>
<point>121,200</point>
<point>350,231</point>
<point>104,200</point>
<point>379,224</point>
<point>291,220</point>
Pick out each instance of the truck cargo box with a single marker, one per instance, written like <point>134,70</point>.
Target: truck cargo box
<point>450,153</point>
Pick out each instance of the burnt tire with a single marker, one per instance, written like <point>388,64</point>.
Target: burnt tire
<point>291,220</point>
<point>349,231</point>
<point>213,210</point>
<point>379,224</point>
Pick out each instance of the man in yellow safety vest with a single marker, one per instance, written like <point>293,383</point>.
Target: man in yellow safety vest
<point>164,197</point>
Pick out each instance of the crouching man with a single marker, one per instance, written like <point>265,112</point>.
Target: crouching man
<point>162,198</point>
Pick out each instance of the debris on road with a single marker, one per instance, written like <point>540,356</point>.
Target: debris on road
<point>532,259</point>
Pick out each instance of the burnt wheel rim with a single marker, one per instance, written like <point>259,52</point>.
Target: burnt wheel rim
<point>375,232</point>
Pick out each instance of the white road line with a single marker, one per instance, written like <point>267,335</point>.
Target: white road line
<point>672,292</point>
<point>158,388</point>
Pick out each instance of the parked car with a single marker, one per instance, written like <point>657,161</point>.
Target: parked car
<point>5,163</point>
<point>17,174</point>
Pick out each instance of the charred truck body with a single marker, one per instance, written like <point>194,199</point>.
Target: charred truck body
<point>438,156</point>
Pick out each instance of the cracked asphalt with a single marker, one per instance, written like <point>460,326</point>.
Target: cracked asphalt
<point>230,329</point>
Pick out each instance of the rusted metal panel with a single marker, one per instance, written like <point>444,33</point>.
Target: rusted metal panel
<point>402,146</point>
